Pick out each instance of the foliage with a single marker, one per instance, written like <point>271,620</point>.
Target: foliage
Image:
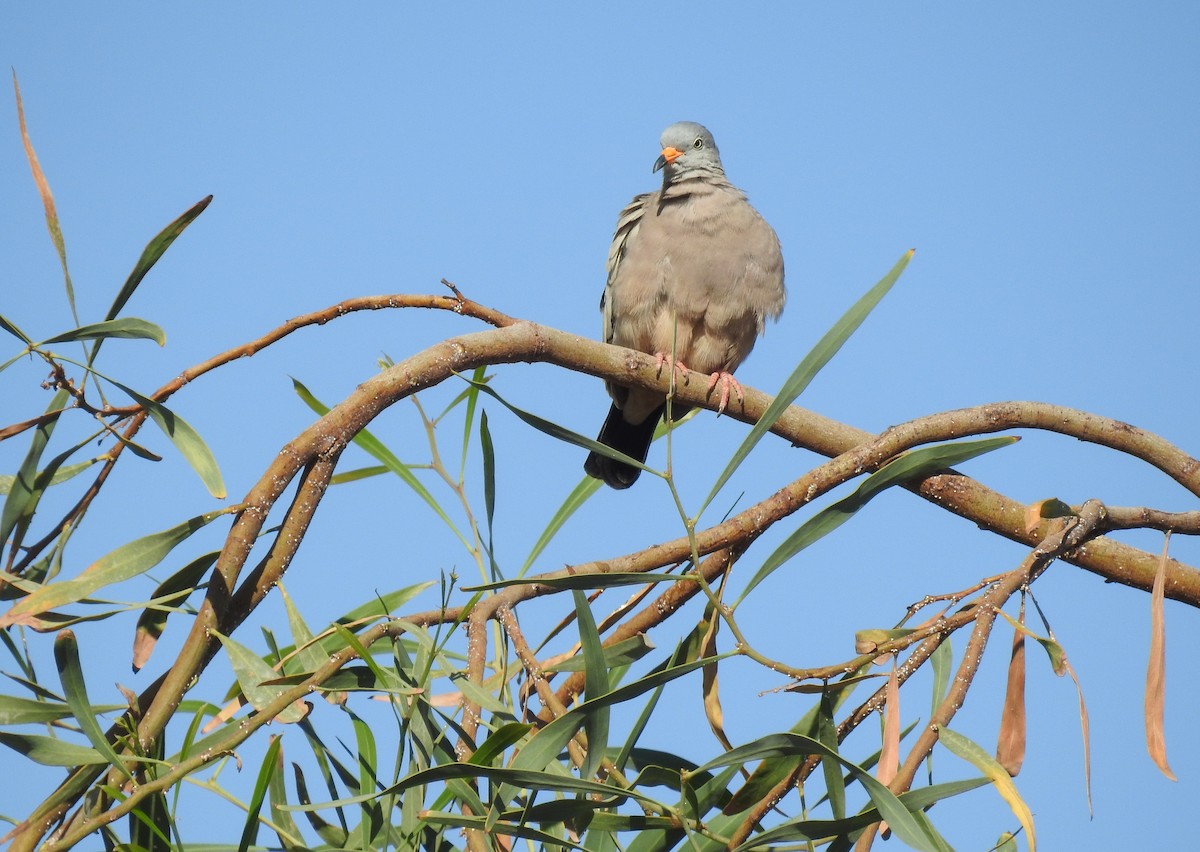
<point>495,738</point>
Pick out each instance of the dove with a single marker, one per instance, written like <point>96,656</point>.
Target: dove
<point>694,272</point>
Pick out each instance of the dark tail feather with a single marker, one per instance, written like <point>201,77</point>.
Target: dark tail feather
<point>632,439</point>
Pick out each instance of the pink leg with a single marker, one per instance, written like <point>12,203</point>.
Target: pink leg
<point>728,383</point>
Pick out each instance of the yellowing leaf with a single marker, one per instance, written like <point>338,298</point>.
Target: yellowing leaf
<point>981,760</point>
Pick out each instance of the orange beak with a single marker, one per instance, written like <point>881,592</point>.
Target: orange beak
<point>669,155</point>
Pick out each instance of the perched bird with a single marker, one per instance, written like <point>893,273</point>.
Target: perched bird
<point>693,270</point>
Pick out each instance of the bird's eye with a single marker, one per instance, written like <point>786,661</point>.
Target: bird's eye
<point>699,143</point>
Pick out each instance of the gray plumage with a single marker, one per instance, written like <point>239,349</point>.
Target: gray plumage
<point>692,261</point>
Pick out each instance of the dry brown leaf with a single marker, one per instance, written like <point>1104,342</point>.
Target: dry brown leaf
<point>712,695</point>
<point>1085,728</point>
<point>144,642</point>
<point>889,754</point>
<point>1010,745</point>
<point>226,713</point>
<point>43,188</point>
<point>1156,674</point>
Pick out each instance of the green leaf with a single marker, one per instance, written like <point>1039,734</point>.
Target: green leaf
<point>596,684</point>
<point>489,468</point>
<point>128,560</point>
<point>61,475</point>
<point>802,828</point>
<point>971,752</point>
<point>904,468</point>
<point>494,746</point>
<point>807,369</point>
<point>835,784</point>
<point>27,711</point>
<point>471,395</point>
<point>254,677</point>
<point>555,431</point>
<point>518,778</point>
<point>130,328</point>
<point>51,751</point>
<point>24,492</point>
<point>781,746</point>
<point>351,679</point>
<point>486,827</point>
<point>585,489</point>
<point>150,819</point>
<point>309,655</point>
<point>543,748</point>
<point>186,439</point>
<point>66,658</point>
<point>153,251</point>
<point>373,446</point>
<point>9,326</point>
<point>261,784</point>
<point>153,619</point>
<point>622,653</point>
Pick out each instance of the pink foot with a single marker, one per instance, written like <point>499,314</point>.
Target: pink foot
<point>728,383</point>
<point>680,368</point>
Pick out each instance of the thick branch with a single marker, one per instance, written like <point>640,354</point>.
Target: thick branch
<point>231,598</point>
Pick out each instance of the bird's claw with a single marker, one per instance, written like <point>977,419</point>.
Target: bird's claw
<point>661,359</point>
<point>728,383</point>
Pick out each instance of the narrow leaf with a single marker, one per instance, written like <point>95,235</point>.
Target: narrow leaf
<point>519,778</point>
<point>153,620</point>
<point>153,251</point>
<point>489,470</point>
<point>889,754</point>
<point>710,681</point>
<point>471,395</point>
<point>24,492</point>
<point>508,734</point>
<point>61,475</point>
<point>908,466</point>
<point>186,439</point>
<point>128,560</point>
<point>544,746</point>
<point>51,751</point>
<point>622,653</point>
<point>129,328</point>
<point>43,188</point>
<point>552,429</point>
<point>808,368</point>
<point>26,711</point>
<point>1062,666</point>
<point>972,753</point>
<point>1156,670</point>
<point>261,784</point>
<point>1010,744</point>
<point>891,809</point>
<point>578,496</point>
<point>596,684</point>
<point>835,785</point>
<point>66,658</point>
<point>373,446</point>
<point>9,326</point>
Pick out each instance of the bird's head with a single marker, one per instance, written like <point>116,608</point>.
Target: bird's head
<point>688,147</point>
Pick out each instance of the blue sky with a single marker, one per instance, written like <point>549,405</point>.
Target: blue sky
<point>1041,158</point>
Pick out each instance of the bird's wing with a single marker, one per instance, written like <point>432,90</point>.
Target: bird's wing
<point>627,226</point>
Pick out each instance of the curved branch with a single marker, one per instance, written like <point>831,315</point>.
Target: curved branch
<point>230,597</point>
